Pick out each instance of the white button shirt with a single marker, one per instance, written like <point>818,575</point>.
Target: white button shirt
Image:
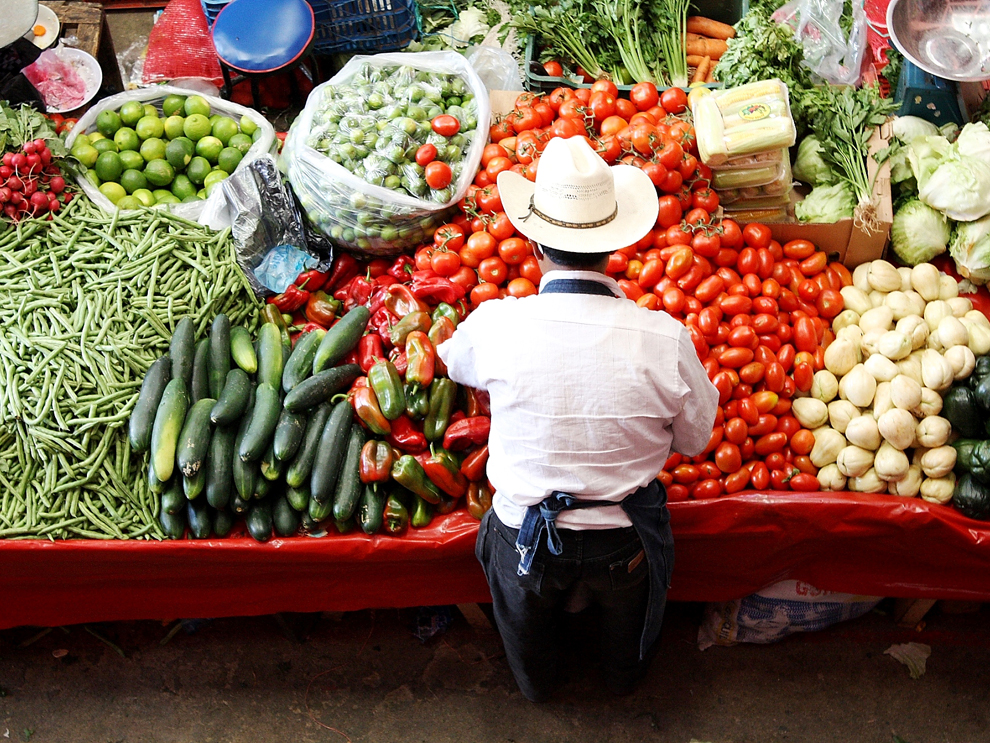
<point>588,396</point>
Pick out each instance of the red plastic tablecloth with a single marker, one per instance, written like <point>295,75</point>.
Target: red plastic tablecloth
<point>726,548</point>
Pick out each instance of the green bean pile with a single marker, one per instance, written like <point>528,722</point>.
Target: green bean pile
<point>87,302</point>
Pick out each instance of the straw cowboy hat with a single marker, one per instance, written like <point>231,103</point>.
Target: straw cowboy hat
<point>578,203</point>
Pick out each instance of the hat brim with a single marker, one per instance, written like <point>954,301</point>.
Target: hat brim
<point>636,214</point>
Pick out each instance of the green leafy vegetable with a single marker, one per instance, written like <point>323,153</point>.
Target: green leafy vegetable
<point>826,204</point>
<point>809,166</point>
<point>919,233</point>
<point>22,124</point>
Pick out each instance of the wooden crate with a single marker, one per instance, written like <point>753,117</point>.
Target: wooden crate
<point>88,23</point>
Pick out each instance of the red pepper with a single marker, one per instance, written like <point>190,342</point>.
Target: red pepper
<point>360,293</point>
<point>321,308</point>
<point>378,296</point>
<point>437,290</point>
<point>406,436</point>
<point>441,330</point>
<point>290,300</point>
<point>377,458</point>
<point>311,326</point>
<point>368,412</point>
<point>420,359</point>
<point>457,415</point>
<point>400,301</point>
<point>341,292</point>
<point>401,269</point>
<point>345,267</point>
<point>386,280</point>
<point>369,350</point>
<point>443,472</point>
<point>351,357</point>
<point>399,361</point>
<point>378,267</point>
<point>312,281</point>
<point>484,402</point>
<point>381,322</point>
<point>464,433</point>
<point>474,464</point>
<point>474,405</point>
<point>479,499</point>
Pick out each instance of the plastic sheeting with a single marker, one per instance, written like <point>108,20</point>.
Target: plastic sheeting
<point>726,548</point>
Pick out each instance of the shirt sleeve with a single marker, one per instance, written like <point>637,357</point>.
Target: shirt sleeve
<point>692,428</point>
<point>460,355</point>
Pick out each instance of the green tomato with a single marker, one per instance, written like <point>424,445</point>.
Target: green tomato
<point>418,113</point>
<point>390,234</point>
<point>392,182</point>
<point>358,201</point>
<point>348,235</point>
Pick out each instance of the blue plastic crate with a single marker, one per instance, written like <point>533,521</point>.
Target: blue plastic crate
<point>364,25</point>
<point>212,9</point>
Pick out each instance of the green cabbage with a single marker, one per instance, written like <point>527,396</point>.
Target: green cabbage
<point>974,141</point>
<point>925,155</point>
<point>826,204</point>
<point>970,249</point>
<point>909,128</point>
<point>959,188</point>
<point>809,166</point>
<point>918,233</point>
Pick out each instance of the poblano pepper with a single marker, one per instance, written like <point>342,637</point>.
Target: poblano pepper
<point>410,474</point>
<point>384,380</point>
<point>442,395</point>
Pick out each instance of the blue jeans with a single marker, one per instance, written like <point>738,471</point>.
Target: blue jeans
<point>608,566</point>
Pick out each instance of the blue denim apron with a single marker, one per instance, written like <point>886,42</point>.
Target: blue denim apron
<point>646,508</point>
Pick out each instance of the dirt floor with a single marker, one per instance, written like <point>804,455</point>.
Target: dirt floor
<point>364,676</point>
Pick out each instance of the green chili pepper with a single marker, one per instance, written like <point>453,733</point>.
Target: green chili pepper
<point>409,323</point>
<point>442,394</point>
<point>384,380</point>
<point>445,310</point>
<point>422,513</point>
<point>417,402</point>
<point>410,474</point>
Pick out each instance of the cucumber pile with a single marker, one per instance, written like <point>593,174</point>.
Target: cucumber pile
<point>241,426</point>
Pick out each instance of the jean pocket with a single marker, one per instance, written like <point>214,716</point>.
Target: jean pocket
<point>505,559</point>
<point>631,569</point>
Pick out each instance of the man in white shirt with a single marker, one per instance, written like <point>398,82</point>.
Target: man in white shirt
<point>589,393</point>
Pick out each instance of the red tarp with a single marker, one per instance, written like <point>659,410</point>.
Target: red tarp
<point>726,548</point>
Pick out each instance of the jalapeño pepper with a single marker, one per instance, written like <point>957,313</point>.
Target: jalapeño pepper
<point>406,436</point>
<point>442,394</point>
<point>384,380</point>
<point>321,308</point>
<point>417,402</point>
<point>441,330</point>
<point>409,323</point>
<point>366,406</point>
<point>445,310</point>
<point>420,359</point>
<point>474,464</point>
<point>400,301</point>
<point>467,431</point>
<point>395,515</point>
<point>371,509</point>
<point>479,499</point>
<point>369,350</point>
<point>410,474</point>
<point>377,458</point>
<point>444,472</point>
<point>422,513</point>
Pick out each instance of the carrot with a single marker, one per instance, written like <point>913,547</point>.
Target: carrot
<point>714,48</point>
<point>702,26</point>
<point>701,71</point>
<point>693,60</point>
<point>710,77</point>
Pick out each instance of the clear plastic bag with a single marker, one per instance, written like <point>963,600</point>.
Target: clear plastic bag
<point>773,174</point>
<point>210,211</point>
<point>497,69</point>
<point>828,51</point>
<point>349,192</point>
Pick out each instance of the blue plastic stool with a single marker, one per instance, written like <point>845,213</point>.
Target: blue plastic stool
<point>256,38</point>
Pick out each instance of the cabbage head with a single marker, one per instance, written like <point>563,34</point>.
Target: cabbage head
<point>827,204</point>
<point>970,249</point>
<point>925,155</point>
<point>974,141</point>
<point>959,188</point>
<point>919,233</point>
<point>909,128</point>
<point>809,167</point>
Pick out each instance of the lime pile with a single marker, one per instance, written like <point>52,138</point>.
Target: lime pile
<point>139,156</point>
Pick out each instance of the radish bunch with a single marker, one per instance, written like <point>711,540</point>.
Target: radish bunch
<point>31,185</point>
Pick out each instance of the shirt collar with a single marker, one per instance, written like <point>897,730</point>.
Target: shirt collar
<point>598,278</point>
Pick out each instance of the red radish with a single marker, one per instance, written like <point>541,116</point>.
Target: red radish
<point>33,163</point>
<point>16,197</point>
<point>46,156</point>
<point>15,183</point>
<point>8,159</point>
<point>67,198</point>
<point>57,184</point>
<point>18,162</point>
<point>4,194</point>
<point>6,171</point>
<point>10,210</point>
<point>28,148</point>
<point>39,201</point>
<point>54,206</point>
<point>30,187</point>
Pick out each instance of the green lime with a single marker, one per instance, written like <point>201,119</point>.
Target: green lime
<point>131,112</point>
<point>209,147</point>
<point>183,187</point>
<point>152,149</point>
<point>86,154</point>
<point>113,191</point>
<point>129,203</point>
<point>158,193</point>
<point>131,160</point>
<point>167,198</point>
<point>256,135</point>
<point>108,166</point>
<point>224,128</point>
<point>150,127</point>
<point>201,194</point>
<point>241,142</point>
<point>179,152</point>
<point>192,198</point>
<point>173,104</point>
<point>84,139</point>
<point>144,196</point>
<point>132,180</point>
<point>92,177</point>
<point>173,127</point>
<point>196,126</point>
<point>105,145</point>
<point>150,110</point>
<point>213,179</point>
<point>126,138</point>
<point>198,169</point>
<point>228,159</point>
<point>159,173</point>
<point>196,104</point>
<point>93,137</point>
<point>247,125</point>
<point>108,122</point>
<point>215,118</point>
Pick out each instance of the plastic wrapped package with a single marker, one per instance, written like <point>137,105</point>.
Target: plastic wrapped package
<point>765,215</point>
<point>773,193</point>
<point>351,157</point>
<point>744,120</point>
<point>209,211</point>
<point>772,173</point>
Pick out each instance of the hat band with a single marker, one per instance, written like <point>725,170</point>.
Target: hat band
<point>561,223</point>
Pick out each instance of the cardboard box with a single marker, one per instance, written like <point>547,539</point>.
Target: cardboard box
<point>502,101</point>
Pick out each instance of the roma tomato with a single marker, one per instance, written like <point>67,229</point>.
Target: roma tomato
<point>803,482</point>
<point>756,235</point>
<point>802,441</point>
<point>728,457</point>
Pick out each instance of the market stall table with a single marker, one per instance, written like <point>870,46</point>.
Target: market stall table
<point>726,548</point>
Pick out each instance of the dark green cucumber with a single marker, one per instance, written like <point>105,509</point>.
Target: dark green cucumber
<point>173,524</point>
<point>155,485</point>
<point>271,468</point>
<point>270,356</point>
<point>245,473</point>
<point>198,516</point>
<point>233,399</point>
<point>288,434</point>
<point>173,500</point>
<point>319,511</point>
<point>298,498</point>
<point>194,440</point>
<point>330,454</point>
<point>182,350</point>
<point>201,372</point>
<point>300,363</point>
<point>219,354</point>
<point>168,424</point>
<point>341,338</point>
<point>320,387</point>
<point>371,509</point>
<point>193,486</point>
<point>264,418</point>
<point>238,504</point>
<point>348,491</point>
<point>223,522</point>
<point>242,349</point>
<point>220,472</point>
<point>262,487</point>
<point>345,526</point>
<point>143,415</point>
<point>284,518</point>
<point>259,521</point>
<point>302,464</point>
<point>308,525</point>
